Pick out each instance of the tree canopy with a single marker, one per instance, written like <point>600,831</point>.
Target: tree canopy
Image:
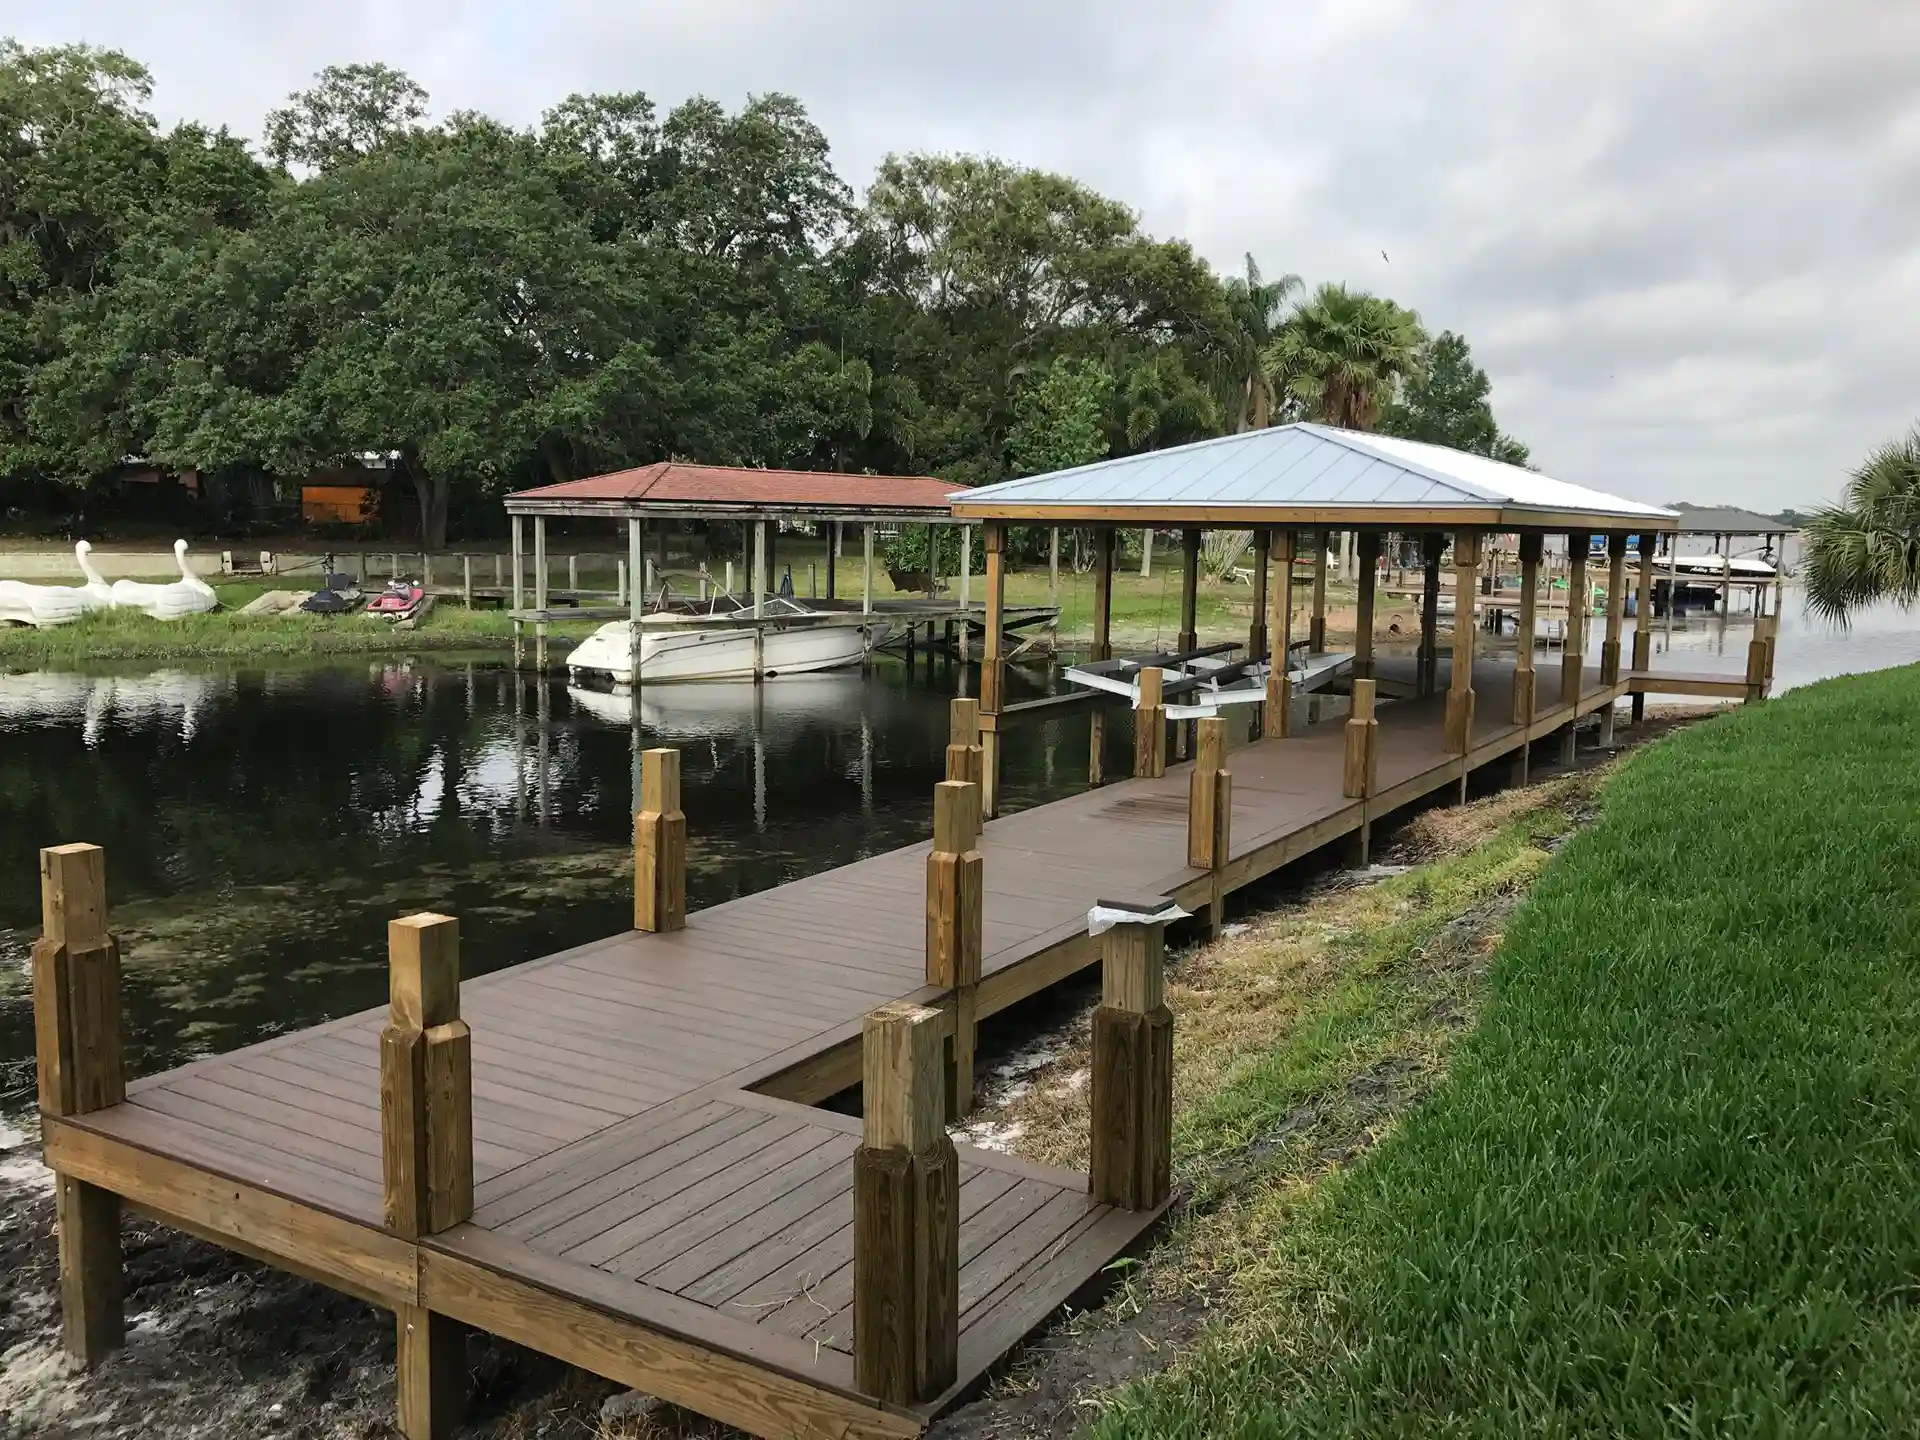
<point>479,307</point>
<point>1867,547</point>
<point>1445,403</point>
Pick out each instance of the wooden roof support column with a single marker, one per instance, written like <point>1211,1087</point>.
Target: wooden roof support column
<point>660,846</point>
<point>956,907</point>
<point>1426,659</point>
<point>1150,726</point>
<point>519,591</point>
<point>426,1134</point>
<point>540,592</point>
<point>1103,546</point>
<point>1643,619</point>
<point>1132,1083</point>
<point>1277,720</point>
<point>80,1068</point>
<point>1210,811</point>
<point>1369,583</point>
<point>1524,675</point>
<point>906,1214</point>
<point>1257,637</point>
<point>1579,602</point>
<point>1466,585</point>
<point>1616,606</point>
<point>1317,626</point>
<point>993,665</point>
<point>1189,588</point>
<point>964,756</point>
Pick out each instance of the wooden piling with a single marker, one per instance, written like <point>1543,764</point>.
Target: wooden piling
<point>956,905</point>
<point>80,1068</point>
<point>1466,584</point>
<point>1278,719</point>
<point>1102,648</point>
<point>1132,1124</point>
<point>906,1214</point>
<point>1317,626</point>
<point>1759,659</point>
<point>1426,664</point>
<point>1525,677</point>
<point>1579,601</point>
<point>1369,580</point>
<point>1362,761</point>
<point>660,845</point>
<point>1150,726</point>
<point>965,757</point>
<point>1616,607</point>
<point>992,659</point>
<point>426,1135</point>
<point>1209,798</point>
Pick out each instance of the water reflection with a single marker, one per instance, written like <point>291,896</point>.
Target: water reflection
<point>263,823</point>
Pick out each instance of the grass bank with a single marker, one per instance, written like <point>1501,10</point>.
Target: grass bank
<point>227,634</point>
<point>1671,1183</point>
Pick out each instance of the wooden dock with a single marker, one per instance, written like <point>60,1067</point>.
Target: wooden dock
<point>648,1191</point>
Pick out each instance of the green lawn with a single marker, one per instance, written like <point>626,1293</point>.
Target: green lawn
<point>1671,1184</point>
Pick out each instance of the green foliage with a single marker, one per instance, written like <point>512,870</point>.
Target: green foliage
<point>1445,403</point>
<point>351,111</point>
<point>1671,1185</point>
<point>1342,355</point>
<point>1867,547</point>
<point>1256,305</point>
<point>1061,422</point>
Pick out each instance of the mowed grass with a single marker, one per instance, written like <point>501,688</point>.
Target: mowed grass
<point>1671,1185</point>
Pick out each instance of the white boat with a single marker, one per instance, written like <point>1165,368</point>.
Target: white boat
<point>40,605</point>
<point>1200,685</point>
<point>715,645</point>
<point>189,595</point>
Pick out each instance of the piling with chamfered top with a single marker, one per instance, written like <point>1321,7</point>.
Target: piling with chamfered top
<point>956,907</point>
<point>1150,726</point>
<point>1277,719</point>
<point>660,846</point>
<point>1210,813</point>
<point>1760,656</point>
<point>906,1214</point>
<point>966,759</point>
<point>426,1151</point>
<point>1460,700</point>
<point>1362,761</point>
<point>1131,1152</point>
<point>80,1068</point>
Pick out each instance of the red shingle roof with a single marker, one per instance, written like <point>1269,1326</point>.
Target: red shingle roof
<point>674,482</point>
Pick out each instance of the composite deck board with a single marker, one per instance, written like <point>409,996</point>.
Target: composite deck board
<point>617,1158</point>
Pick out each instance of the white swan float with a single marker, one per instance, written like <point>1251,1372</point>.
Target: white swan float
<point>47,605</point>
<point>189,595</point>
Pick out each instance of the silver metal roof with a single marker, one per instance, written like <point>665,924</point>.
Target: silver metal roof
<point>1306,467</point>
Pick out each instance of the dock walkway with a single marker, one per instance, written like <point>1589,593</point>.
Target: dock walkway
<point>654,1197</point>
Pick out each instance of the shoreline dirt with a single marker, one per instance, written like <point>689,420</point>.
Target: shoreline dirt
<point>220,1346</point>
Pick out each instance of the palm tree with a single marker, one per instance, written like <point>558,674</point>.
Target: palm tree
<point>1341,355</point>
<point>1256,306</point>
<point>1867,547</point>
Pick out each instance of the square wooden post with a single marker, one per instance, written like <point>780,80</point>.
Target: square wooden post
<point>540,592</point>
<point>79,1065</point>
<point>992,665</point>
<point>1210,813</point>
<point>1426,663</point>
<point>1317,626</point>
<point>906,1214</point>
<point>1616,607</point>
<point>1360,767</point>
<point>1369,583</point>
<point>1257,629</point>
<point>1466,585</point>
<point>1643,619</point>
<point>1131,1160</point>
<point>956,903</point>
<point>519,591</point>
<point>1278,719</point>
<point>1189,589</point>
<point>1573,663</point>
<point>426,1132</point>
<point>1150,725</point>
<point>1759,659</point>
<point>1102,649</point>
<point>1525,678</point>
<point>964,755</point>
<point>660,845</point>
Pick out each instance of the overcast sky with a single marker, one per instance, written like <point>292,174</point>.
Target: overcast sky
<point>1680,234</point>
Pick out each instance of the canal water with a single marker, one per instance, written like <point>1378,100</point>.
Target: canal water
<point>262,823</point>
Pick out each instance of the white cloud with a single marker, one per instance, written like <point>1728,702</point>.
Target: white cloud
<point>1679,233</point>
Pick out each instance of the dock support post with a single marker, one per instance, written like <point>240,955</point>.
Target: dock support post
<point>1360,766</point>
<point>1131,1155</point>
<point>466,581</point>
<point>964,754</point>
<point>1150,726</point>
<point>1257,628</point>
<point>1573,660</point>
<point>1278,719</point>
<point>660,846</point>
<point>1525,677</point>
<point>540,592</point>
<point>906,1214</point>
<point>1616,607</point>
<point>519,593</point>
<point>1643,620</point>
<point>1759,659</point>
<point>1426,659</point>
<point>1053,567</point>
<point>1466,584</point>
<point>426,1131</point>
<point>759,528</point>
<point>866,570</point>
<point>1317,626</point>
<point>956,906</point>
<point>1210,812</point>
<point>833,556</point>
<point>1369,583</point>
<point>1103,547</point>
<point>79,1067</point>
<point>993,665</point>
<point>1189,588</point>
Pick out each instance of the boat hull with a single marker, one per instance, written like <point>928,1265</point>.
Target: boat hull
<point>725,652</point>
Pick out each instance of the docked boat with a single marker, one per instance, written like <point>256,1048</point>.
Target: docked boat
<point>715,640</point>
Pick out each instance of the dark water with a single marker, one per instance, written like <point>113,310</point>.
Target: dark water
<point>262,824</point>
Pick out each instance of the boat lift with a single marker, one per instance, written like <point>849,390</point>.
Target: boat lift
<point>1202,682</point>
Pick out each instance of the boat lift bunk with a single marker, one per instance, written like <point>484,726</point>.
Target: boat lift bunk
<point>1202,682</point>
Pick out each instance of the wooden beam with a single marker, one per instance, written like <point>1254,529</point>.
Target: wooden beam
<point>1369,583</point>
<point>1358,775</point>
<point>1278,719</point>
<point>1616,607</point>
<point>956,899</point>
<point>80,1068</point>
<point>1150,726</point>
<point>1524,675</point>
<point>1130,1163</point>
<point>993,663</point>
<point>660,846</point>
<point>1466,585</point>
<point>1102,647</point>
<point>1317,626</point>
<point>906,1220</point>
<point>1189,587</point>
<point>964,756</point>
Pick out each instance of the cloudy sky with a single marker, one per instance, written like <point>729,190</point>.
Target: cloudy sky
<point>1680,234</point>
